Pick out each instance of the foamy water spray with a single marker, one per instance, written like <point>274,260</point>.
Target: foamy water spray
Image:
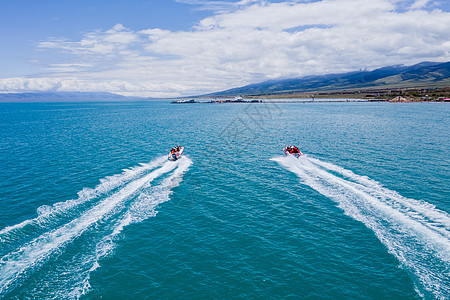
<point>415,232</point>
<point>121,199</point>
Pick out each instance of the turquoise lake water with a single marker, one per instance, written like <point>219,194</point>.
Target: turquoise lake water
<point>91,207</point>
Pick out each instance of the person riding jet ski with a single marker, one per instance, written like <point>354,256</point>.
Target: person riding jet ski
<point>175,153</point>
<point>293,150</point>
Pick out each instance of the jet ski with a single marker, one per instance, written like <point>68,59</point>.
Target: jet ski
<point>292,150</point>
<point>175,153</point>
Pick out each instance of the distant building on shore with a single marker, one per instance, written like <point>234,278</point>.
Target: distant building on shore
<point>399,99</point>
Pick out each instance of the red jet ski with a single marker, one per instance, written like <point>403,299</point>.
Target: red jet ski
<point>292,150</point>
<point>175,153</point>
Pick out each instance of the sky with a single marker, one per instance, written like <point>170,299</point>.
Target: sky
<point>176,48</point>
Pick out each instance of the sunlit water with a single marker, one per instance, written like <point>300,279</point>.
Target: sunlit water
<point>91,207</point>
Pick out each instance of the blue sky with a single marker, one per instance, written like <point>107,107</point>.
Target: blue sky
<point>24,23</point>
<point>165,48</point>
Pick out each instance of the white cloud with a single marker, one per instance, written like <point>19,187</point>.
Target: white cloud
<point>96,42</point>
<point>68,67</point>
<point>419,4</point>
<point>123,87</point>
<point>254,42</point>
<point>218,5</point>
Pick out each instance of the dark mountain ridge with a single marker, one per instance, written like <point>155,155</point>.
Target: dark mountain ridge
<point>424,73</point>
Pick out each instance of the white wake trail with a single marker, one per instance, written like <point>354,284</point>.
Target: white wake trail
<point>422,211</point>
<point>141,209</point>
<point>414,231</point>
<point>18,263</point>
<point>48,213</point>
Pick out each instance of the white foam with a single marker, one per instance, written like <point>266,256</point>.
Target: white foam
<point>17,263</point>
<point>413,230</point>
<point>140,209</point>
<point>46,212</point>
<point>427,212</point>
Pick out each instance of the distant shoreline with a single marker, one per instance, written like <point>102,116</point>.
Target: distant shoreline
<point>376,94</point>
<point>296,100</point>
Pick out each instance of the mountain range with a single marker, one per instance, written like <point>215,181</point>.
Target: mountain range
<point>424,74</point>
